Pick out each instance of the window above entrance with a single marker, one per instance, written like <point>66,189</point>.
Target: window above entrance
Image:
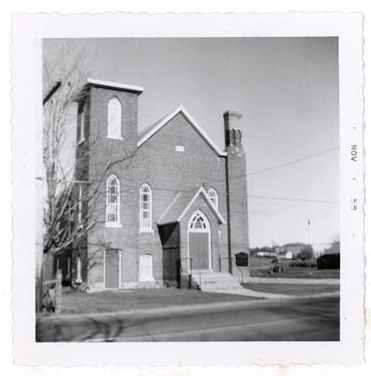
<point>199,222</point>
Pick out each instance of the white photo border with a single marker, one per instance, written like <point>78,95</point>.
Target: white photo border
<point>28,32</point>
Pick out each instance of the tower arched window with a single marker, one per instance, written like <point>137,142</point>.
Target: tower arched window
<point>213,196</point>
<point>113,202</point>
<point>145,214</point>
<point>114,119</point>
<point>81,126</point>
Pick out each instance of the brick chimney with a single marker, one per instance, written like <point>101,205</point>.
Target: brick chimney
<point>236,189</point>
<point>232,133</point>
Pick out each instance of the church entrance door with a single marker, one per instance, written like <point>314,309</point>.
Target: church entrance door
<point>199,247</point>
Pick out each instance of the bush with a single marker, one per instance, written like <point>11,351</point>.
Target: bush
<point>306,253</point>
<point>170,284</point>
<point>312,263</point>
<point>331,261</point>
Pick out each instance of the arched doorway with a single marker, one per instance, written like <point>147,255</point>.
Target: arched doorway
<point>199,244</point>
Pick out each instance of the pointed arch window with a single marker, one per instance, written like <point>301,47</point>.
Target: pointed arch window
<point>213,196</point>
<point>199,222</point>
<point>145,208</point>
<point>113,202</point>
<point>81,126</point>
<point>114,119</point>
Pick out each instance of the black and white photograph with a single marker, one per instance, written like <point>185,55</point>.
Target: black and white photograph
<point>190,189</point>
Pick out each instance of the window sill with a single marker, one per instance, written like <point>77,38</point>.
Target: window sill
<point>113,225</point>
<point>115,138</point>
<point>149,230</point>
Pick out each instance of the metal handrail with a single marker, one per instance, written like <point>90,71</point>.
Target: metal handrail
<point>232,261</point>
<point>188,268</point>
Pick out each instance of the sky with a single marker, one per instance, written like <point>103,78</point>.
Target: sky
<point>287,91</point>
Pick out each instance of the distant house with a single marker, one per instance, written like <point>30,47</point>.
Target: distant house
<point>333,249</point>
<point>294,251</point>
<point>265,253</point>
<point>167,203</point>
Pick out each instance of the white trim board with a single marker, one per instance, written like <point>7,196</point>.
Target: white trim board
<point>115,85</point>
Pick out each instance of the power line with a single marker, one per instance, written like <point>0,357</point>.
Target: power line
<point>276,166</point>
<point>233,198</point>
<point>293,161</point>
<point>294,199</point>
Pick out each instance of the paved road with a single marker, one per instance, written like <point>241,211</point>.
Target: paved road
<point>302,319</point>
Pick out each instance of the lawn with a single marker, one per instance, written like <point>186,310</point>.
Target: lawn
<point>141,299</point>
<point>311,273</point>
<point>292,289</point>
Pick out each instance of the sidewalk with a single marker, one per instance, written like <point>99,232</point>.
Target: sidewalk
<point>267,295</point>
<point>298,281</point>
<point>254,294</point>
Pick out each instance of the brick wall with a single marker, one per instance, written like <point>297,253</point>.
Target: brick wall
<point>167,172</point>
<point>236,162</point>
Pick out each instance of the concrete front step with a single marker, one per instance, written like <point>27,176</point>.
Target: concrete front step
<point>213,281</point>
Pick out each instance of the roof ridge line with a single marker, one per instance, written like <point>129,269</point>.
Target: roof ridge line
<point>193,123</point>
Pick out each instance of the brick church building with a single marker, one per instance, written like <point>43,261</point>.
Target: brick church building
<point>162,207</point>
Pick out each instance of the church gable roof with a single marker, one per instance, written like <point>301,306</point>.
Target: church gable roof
<point>182,202</point>
<point>154,129</point>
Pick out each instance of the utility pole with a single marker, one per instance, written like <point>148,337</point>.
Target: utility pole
<point>52,91</point>
<point>309,232</point>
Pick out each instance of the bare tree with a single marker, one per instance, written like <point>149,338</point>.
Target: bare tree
<point>64,77</point>
<point>71,203</point>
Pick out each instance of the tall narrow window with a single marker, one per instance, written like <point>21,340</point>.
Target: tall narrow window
<point>80,205</point>
<point>70,217</point>
<point>114,119</point>
<point>113,202</point>
<point>145,208</point>
<point>79,275</point>
<point>68,266</point>
<point>213,196</point>
<point>81,127</point>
